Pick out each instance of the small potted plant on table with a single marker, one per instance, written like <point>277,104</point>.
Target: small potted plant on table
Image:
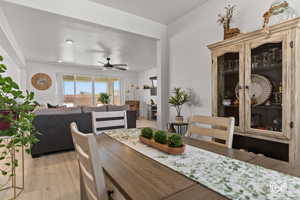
<point>160,140</point>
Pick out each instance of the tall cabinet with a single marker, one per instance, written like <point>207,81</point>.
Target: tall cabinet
<point>256,79</point>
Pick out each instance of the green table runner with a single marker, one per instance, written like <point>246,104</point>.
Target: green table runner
<point>231,178</point>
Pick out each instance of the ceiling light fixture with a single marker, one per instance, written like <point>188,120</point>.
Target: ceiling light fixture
<point>70,42</point>
<point>59,61</point>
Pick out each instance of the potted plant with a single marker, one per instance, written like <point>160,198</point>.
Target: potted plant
<point>177,101</point>
<point>147,133</point>
<point>160,140</point>
<point>161,137</point>
<point>175,144</point>
<point>104,98</point>
<point>16,117</point>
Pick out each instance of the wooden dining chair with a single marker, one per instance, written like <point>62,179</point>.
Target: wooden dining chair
<point>108,120</point>
<point>220,129</point>
<point>89,164</point>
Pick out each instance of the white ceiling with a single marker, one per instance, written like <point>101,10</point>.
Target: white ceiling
<point>42,38</point>
<point>163,11</point>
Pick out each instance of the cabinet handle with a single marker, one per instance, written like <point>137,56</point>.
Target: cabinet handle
<point>247,87</point>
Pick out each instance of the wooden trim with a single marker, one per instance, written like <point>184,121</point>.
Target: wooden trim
<point>215,78</point>
<point>251,135</point>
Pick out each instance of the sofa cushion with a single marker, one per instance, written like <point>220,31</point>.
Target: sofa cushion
<point>58,111</point>
<point>72,110</point>
<point>86,109</point>
<point>117,108</point>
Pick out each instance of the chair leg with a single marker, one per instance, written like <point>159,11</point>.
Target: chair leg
<point>82,188</point>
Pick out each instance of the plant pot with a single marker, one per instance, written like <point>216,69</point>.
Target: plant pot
<point>179,119</point>
<point>163,147</point>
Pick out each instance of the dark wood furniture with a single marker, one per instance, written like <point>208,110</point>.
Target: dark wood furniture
<point>134,106</point>
<point>138,177</point>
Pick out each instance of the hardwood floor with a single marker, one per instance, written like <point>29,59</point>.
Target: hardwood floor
<point>146,123</point>
<point>53,177</point>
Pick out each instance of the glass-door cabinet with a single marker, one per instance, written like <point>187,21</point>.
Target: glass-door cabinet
<point>256,80</point>
<point>228,81</point>
<point>250,83</point>
<point>266,91</point>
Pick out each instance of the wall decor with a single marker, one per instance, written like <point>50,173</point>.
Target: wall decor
<point>41,81</point>
<point>279,11</point>
<point>225,20</point>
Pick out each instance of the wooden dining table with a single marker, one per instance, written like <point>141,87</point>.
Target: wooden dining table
<point>138,177</point>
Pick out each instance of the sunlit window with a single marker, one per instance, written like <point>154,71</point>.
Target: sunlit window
<point>85,90</point>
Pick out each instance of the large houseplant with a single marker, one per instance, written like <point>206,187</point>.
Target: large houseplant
<point>178,100</point>
<point>16,117</point>
<point>104,98</point>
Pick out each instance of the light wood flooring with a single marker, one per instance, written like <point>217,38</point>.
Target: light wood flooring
<point>53,177</point>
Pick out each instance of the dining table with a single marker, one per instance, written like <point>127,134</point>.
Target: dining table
<point>139,177</point>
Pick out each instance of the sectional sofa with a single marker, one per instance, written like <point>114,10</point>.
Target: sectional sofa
<point>54,131</point>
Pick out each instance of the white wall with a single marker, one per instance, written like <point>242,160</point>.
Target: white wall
<point>144,95</point>
<point>190,62</point>
<point>12,69</point>
<point>53,95</point>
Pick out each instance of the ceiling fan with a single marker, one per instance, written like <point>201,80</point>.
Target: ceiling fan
<point>109,66</point>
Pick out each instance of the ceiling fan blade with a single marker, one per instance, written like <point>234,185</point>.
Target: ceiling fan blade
<point>121,68</point>
<point>101,62</point>
<point>119,65</point>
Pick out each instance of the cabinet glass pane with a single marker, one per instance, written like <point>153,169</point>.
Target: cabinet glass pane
<point>266,87</point>
<point>228,82</point>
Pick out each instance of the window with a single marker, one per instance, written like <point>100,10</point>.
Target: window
<point>85,90</point>
<point>69,90</point>
<point>101,86</point>
<point>117,92</point>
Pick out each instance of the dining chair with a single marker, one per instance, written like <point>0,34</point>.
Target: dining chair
<point>92,175</point>
<point>218,128</point>
<point>108,120</point>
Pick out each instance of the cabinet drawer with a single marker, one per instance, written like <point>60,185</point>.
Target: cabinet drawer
<point>116,195</point>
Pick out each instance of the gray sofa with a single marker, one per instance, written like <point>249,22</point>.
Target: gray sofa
<point>53,126</point>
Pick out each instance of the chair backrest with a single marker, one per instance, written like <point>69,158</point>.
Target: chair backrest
<point>108,120</point>
<point>89,164</point>
<point>221,129</point>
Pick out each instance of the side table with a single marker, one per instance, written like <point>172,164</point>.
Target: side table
<point>178,127</point>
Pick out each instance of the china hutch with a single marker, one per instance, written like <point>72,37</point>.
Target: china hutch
<point>256,79</point>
